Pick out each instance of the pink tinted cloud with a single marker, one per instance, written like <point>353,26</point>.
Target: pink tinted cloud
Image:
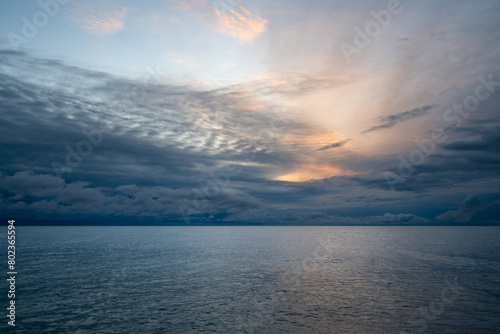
<point>98,19</point>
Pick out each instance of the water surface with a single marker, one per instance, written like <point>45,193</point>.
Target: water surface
<point>257,279</point>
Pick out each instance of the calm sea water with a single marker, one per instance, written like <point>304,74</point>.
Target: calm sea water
<point>256,280</point>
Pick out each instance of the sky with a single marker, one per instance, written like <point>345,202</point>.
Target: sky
<point>250,112</point>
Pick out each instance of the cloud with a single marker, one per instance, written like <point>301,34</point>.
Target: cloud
<point>46,194</point>
<point>488,215</point>
<point>227,17</point>
<point>98,18</point>
<point>239,23</point>
<point>166,141</point>
<point>476,136</point>
<point>307,172</point>
<point>467,209</point>
<point>334,145</point>
<point>162,144</point>
<point>26,183</point>
<point>262,216</point>
<point>392,120</point>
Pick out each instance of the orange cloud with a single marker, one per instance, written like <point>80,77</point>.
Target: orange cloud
<point>313,172</point>
<point>240,23</point>
<point>97,19</point>
<point>313,142</point>
<point>311,149</point>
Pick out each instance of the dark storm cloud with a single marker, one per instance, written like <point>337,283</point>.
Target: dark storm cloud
<point>479,136</point>
<point>392,120</point>
<point>163,141</point>
<point>320,218</point>
<point>46,194</point>
<point>467,209</point>
<point>489,214</point>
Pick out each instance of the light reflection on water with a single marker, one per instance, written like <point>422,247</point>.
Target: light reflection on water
<point>257,279</point>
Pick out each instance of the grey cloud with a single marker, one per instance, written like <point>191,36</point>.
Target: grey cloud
<point>43,194</point>
<point>320,218</point>
<point>477,136</point>
<point>392,120</point>
<point>159,146</point>
<point>171,128</point>
<point>467,209</point>
<point>488,215</point>
<point>334,145</point>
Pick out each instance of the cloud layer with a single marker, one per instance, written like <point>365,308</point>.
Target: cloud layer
<point>80,145</point>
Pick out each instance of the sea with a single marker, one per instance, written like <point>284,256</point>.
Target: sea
<point>254,279</point>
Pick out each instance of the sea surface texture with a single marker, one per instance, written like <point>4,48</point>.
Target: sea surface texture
<point>256,280</point>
